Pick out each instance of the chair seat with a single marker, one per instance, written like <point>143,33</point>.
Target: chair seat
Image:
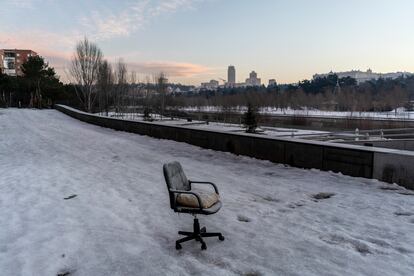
<point>213,209</point>
<point>207,199</point>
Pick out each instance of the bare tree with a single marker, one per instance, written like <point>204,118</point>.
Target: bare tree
<point>105,85</point>
<point>133,77</point>
<point>84,70</point>
<point>162,90</point>
<point>121,86</point>
<point>133,92</point>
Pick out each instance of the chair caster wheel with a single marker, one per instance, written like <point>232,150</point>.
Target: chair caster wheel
<point>203,246</point>
<point>178,246</point>
<point>221,238</point>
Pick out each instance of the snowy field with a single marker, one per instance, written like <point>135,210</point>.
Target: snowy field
<point>120,222</point>
<point>398,114</point>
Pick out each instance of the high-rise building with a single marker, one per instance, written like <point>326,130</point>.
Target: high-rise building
<point>253,80</point>
<point>231,75</point>
<point>11,60</point>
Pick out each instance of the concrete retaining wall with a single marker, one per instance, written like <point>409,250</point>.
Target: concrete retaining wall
<point>351,160</point>
<point>399,144</point>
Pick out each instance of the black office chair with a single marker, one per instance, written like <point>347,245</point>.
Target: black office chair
<point>185,200</point>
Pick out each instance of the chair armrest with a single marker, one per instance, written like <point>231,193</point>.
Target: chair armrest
<point>204,182</point>
<point>190,193</point>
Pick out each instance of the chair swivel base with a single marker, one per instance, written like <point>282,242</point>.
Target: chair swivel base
<point>198,235</point>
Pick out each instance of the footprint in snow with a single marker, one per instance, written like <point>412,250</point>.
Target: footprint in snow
<point>252,273</point>
<point>243,218</point>
<point>403,250</point>
<point>357,245</point>
<point>390,188</point>
<point>65,272</point>
<point>281,210</point>
<point>406,192</point>
<point>402,213</point>
<point>323,195</point>
<point>272,199</point>
<point>295,205</point>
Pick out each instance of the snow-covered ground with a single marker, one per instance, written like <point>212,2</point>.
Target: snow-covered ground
<point>120,222</point>
<point>219,126</point>
<point>399,113</point>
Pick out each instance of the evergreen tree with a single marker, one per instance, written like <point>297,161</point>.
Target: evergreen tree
<point>250,119</point>
<point>42,83</point>
<point>147,114</point>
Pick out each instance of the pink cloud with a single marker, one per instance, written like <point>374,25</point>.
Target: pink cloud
<point>38,40</point>
<point>171,69</point>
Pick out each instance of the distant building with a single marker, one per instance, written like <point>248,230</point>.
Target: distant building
<point>211,85</point>
<point>361,76</point>
<point>231,75</point>
<point>253,80</point>
<point>11,60</point>
<point>272,82</point>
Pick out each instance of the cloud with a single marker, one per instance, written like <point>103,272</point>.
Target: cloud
<point>101,25</point>
<point>171,69</point>
<point>21,3</point>
<point>104,24</point>
<point>39,40</point>
<point>172,6</point>
<point>58,49</point>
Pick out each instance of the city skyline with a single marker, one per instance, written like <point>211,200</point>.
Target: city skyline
<point>194,41</point>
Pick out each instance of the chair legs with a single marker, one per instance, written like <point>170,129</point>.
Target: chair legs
<point>197,235</point>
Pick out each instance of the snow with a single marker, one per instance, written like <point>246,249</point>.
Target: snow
<point>120,222</point>
<point>398,114</point>
<point>218,126</point>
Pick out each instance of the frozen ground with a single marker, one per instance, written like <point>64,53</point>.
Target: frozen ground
<point>120,223</point>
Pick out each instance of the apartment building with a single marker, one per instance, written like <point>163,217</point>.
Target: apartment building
<point>11,60</point>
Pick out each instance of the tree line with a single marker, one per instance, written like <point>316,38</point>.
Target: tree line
<point>328,93</point>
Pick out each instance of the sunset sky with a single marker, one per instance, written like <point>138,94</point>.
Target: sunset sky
<point>195,40</point>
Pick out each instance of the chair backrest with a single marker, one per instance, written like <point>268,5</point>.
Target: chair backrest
<point>175,179</point>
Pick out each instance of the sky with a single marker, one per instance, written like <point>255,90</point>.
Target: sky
<point>193,41</point>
